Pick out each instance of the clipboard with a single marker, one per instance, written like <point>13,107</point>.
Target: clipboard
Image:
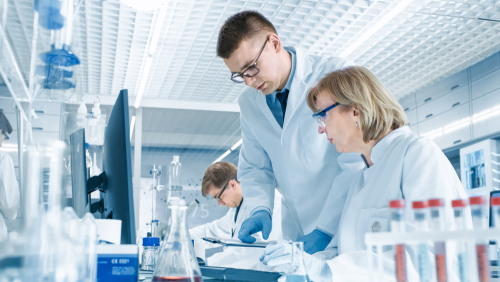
<point>238,243</point>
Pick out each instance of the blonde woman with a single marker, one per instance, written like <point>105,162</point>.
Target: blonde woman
<point>357,114</point>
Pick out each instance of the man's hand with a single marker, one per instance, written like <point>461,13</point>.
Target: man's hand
<point>259,221</point>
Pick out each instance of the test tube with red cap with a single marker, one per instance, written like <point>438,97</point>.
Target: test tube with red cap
<point>459,206</point>
<point>495,209</point>
<point>436,207</point>
<point>478,210</point>
<point>422,225</point>
<point>398,226</point>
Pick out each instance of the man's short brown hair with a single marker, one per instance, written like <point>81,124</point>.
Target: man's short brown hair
<point>218,174</point>
<point>241,26</point>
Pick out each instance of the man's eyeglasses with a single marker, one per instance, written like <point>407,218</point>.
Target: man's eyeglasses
<point>223,189</point>
<point>251,71</point>
<point>321,117</point>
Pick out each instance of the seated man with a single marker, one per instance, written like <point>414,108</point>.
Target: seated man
<point>220,181</point>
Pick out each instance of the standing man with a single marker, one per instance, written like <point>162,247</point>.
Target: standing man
<point>280,144</point>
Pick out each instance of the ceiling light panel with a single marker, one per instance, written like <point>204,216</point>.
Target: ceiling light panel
<point>425,42</point>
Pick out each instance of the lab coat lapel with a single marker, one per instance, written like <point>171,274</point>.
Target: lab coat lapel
<point>298,88</point>
<point>261,101</point>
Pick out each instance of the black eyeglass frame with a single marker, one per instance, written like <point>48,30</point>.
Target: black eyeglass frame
<point>234,75</point>
<point>223,189</point>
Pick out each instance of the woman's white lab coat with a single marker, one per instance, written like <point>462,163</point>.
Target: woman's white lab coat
<point>405,166</point>
<point>9,192</point>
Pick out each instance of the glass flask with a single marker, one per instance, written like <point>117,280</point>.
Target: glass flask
<point>174,179</point>
<point>297,266</point>
<point>177,261</point>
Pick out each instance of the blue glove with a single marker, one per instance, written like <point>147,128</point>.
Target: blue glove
<point>259,221</point>
<point>315,241</point>
<point>280,255</point>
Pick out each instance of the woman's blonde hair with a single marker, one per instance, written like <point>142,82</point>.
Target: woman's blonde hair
<point>378,110</point>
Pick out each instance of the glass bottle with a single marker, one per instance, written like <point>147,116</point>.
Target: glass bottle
<point>174,179</point>
<point>151,246</point>
<point>177,261</point>
<point>437,224</point>
<point>398,226</point>
<point>297,266</point>
<point>480,222</point>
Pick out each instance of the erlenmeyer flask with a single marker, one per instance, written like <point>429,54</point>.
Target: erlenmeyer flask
<point>297,267</point>
<point>177,261</point>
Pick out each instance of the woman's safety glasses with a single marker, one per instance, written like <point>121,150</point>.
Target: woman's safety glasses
<point>321,117</point>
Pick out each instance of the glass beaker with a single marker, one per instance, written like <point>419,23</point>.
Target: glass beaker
<point>177,261</point>
<point>297,266</point>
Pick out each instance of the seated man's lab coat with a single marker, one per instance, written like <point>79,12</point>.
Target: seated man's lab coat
<point>227,228</point>
<point>9,193</point>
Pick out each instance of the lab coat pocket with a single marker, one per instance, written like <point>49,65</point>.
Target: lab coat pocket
<point>372,220</point>
<point>316,146</point>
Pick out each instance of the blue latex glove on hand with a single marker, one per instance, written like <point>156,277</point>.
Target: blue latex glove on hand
<point>315,241</point>
<point>280,255</point>
<point>259,221</point>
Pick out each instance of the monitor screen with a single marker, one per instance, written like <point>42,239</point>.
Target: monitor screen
<point>79,173</point>
<point>118,198</point>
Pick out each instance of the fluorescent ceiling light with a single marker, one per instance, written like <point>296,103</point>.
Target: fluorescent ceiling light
<point>132,123</point>
<point>152,49</point>
<point>144,5</point>
<point>237,145</point>
<point>389,16</point>
<point>223,156</point>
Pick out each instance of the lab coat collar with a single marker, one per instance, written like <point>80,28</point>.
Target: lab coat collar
<point>381,148</point>
<point>297,89</point>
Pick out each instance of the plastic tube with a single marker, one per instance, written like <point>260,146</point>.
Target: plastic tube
<point>397,225</point>
<point>436,207</point>
<point>421,224</point>
<point>480,222</point>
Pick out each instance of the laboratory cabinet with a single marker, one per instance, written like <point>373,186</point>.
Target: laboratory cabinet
<point>486,84</point>
<point>448,139</point>
<point>480,107</point>
<point>408,102</point>
<point>485,67</point>
<point>411,117</point>
<point>444,103</point>
<point>442,87</point>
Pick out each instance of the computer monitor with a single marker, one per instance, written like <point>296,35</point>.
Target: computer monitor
<point>117,165</point>
<point>80,196</point>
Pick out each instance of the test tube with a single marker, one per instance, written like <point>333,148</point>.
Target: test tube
<point>436,207</point>
<point>421,224</point>
<point>398,226</point>
<point>480,222</point>
<point>495,212</point>
<point>462,250</point>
